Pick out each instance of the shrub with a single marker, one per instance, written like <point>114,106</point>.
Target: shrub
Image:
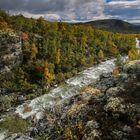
<point>60,77</point>
<point>9,85</point>
<point>119,61</point>
<point>42,137</point>
<point>68,134</point>
<point>6,102</point>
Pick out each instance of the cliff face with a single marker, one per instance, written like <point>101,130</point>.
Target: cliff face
<point>10,50</point>
<point>105,110</point>
<point>10,56</point>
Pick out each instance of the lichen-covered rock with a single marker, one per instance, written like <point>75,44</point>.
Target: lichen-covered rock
<point>91,125</point>
<point>114,91</point>
<point>115,105</point>
<point>10,51</point>
<point>133,67</point>
<point>94,135</point>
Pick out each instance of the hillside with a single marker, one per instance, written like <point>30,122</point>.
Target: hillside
<point>115,25</point>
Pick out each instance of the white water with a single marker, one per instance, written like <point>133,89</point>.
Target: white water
<point>70,88</point>
<point>137,43</point>
<point>2,135</point>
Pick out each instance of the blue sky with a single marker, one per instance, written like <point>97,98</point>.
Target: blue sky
<point>75,10</point>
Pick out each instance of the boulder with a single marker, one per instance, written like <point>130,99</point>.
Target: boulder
<point>133,67</point>
<point>105,75</point>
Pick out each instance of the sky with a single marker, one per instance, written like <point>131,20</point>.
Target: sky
<point>75,10</point>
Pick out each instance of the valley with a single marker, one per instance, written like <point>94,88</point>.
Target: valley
<point>63,81</point>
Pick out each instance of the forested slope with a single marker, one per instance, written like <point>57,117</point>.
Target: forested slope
<point>52,52</point>
<point>115,25</point>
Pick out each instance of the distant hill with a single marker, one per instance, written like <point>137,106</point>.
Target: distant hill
<point>115,25</point>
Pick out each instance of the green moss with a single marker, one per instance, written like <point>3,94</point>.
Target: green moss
<point>14,125</point>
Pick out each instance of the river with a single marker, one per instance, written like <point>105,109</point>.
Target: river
<point>71,87</point>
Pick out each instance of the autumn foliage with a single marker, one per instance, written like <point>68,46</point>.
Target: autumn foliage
<point>48,76</point>
<point>24,36</point>
<point>58,57</point>
<point>131,53</point>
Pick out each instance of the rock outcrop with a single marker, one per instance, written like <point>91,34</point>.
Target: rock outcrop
<point>10,50</point>
<point>10,55</point>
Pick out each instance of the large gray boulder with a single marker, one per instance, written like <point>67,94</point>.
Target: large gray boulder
<point>132,67</point>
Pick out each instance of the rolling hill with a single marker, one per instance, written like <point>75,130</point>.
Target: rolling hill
<point>115,25</point>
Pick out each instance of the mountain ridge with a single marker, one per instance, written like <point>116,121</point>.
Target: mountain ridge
<point>115,25</point>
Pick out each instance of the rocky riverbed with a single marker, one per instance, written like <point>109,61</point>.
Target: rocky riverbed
<point>108,109</point>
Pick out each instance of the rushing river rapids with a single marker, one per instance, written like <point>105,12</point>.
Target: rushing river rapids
<point>137,43</point>
<point>70,88</point>
<point>2,135</point>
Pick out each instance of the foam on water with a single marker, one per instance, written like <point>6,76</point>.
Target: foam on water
<point>3,135</point>
<point>137,43</point>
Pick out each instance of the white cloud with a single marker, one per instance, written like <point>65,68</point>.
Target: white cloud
<point>124,3</point>
<point>52,17</point>
<point>124,9</point>
<point>75,10</point>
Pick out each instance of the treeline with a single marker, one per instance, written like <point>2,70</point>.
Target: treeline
<point>53,52</point>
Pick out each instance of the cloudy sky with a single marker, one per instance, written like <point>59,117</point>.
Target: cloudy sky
<point>75,10</point>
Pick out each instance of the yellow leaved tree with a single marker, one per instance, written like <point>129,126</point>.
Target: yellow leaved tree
<point>58,57</point>
<point>48,76</point>
<point>131,53</point>
<point>34,51</point>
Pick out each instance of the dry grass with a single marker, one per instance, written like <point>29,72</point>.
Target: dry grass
<point>91,90</point>
<point>75,108</point>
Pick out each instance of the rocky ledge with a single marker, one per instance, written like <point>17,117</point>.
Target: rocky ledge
<point>106,110</point>
<point>10,50</point>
